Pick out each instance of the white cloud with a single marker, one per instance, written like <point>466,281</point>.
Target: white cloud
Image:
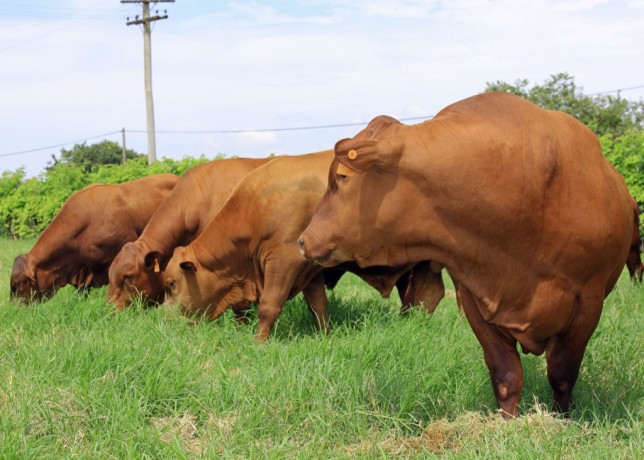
<point>255,139</point>
<point>579,5</point>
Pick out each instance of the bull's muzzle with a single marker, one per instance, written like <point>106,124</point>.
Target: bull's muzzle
<point>317,253</point>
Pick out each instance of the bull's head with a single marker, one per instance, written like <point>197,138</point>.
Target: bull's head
<point>355,210</point>
<point>31,283</point>
<point>197,289</point>
<point>135,272</point>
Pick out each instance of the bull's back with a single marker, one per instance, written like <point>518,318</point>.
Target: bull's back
<point>539,176</point>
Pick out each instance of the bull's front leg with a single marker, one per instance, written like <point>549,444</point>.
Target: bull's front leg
<point>315,297</point>
<point>501,357</point>
<point>278,281</point>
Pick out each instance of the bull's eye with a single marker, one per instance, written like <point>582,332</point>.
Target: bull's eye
<point>341,178</point>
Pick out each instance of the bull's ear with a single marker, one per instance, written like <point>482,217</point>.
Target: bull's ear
<point>30,269</point>
<point>188,266</point>
<point>365,150</point>
<point>152,261</point>
<point>360,155</point>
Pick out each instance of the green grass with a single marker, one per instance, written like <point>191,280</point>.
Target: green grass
<point>77,380</point>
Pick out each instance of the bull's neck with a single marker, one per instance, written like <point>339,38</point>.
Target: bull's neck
<point>226,239</point>
<point>56,245</point>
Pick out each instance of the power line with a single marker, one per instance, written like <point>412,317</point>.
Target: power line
<point>58,145</point>
<point>261,130</point>
<point>617,90</point>
<point>267,130</point>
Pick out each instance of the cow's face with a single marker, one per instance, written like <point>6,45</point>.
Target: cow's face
<point>350,220</point>
<point>196,289</point>
<point>135,272</point>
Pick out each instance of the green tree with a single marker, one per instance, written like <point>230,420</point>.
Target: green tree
<point>90,157</point>
<point>603,114</point>
<point>626,153</point>
<point>27,206</point>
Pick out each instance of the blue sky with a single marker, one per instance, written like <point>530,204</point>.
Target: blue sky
<point>72,70</point>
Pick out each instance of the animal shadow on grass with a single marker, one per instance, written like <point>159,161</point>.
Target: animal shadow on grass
<point>345,313</point>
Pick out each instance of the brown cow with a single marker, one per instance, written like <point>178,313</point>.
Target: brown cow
<point>634,260</point>
<point>518,203</point>
<point>79,244</point>
<point>247,253</point>
<point>137,268</point>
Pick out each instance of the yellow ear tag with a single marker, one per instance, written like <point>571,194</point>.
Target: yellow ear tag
<point>345,171</point>
<point>157,269</point>
<point>352,154</point>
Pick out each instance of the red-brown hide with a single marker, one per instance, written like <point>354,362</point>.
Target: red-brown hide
<point>199,195</point>
<point>248,252</point>
<point>79,244</point>
<point>518,203</point>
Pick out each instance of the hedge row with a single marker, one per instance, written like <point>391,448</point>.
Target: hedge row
<point>27,206</point>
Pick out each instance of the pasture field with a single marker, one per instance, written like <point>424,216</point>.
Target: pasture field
<point>80,381</point>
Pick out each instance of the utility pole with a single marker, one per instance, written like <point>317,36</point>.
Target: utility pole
<point>124,150</point>
<point>147,64</point>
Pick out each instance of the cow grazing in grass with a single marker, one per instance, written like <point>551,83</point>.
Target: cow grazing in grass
<point>517,203</point>
<point>79,244</point>
<point>248,252</point>
<point>137,269</point>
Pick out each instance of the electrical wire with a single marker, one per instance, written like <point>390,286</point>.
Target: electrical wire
<point>59,145</point>
<point>82,19</point>
<point>261,130</point>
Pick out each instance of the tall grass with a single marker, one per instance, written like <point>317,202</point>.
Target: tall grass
<point>78,380</point>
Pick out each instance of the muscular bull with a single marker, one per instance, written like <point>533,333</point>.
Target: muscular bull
<point>518,203</point>
<point>137,268</point>
<point>248,252</point>
<point>79,244</point>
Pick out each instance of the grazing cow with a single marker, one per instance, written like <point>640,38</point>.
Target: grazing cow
<point>634,261</point>
<point>79,244</point>
<point>518,203</point>
<point>248,252</point>
<point>137,268</point>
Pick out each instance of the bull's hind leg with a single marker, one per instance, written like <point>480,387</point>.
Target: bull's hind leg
<point>420,284</point>
<point>501,357</point>
<point>241,311</point>
<point>565,352</point>
<point>315,296</point>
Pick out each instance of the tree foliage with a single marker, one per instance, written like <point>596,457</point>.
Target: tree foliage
<point>603,114</point>
<point>626,153</point>
<point>90,157</point>
<point>27,205</point>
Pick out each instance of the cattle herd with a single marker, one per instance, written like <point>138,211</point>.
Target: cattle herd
<point>517,204</point>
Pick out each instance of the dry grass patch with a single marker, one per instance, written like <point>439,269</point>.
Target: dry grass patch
<point>468,429</point>
<point>190,435</point>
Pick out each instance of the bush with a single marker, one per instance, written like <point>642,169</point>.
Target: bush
<point>27,206</point>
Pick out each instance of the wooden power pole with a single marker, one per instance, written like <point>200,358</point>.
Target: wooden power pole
<point>146,20</point>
